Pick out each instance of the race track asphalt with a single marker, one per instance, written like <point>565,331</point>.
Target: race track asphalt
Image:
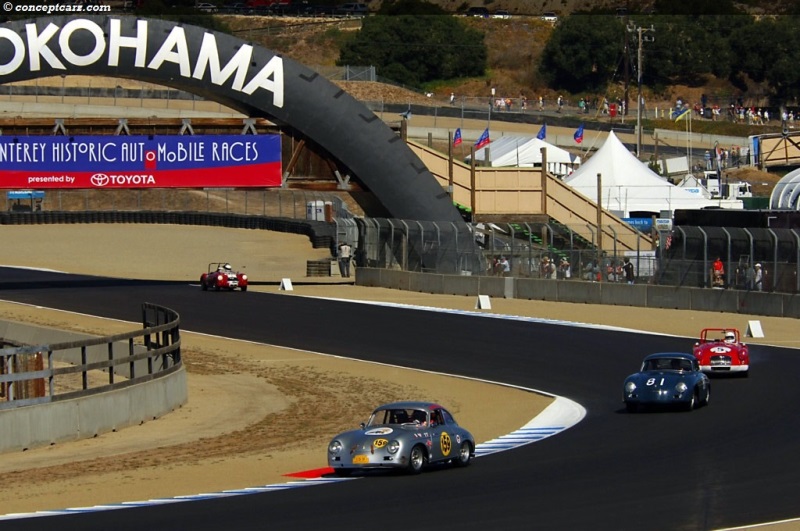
<point>731,463</point>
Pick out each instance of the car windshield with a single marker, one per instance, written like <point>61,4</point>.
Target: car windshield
<point>398,416</point>
<point>668,364</point>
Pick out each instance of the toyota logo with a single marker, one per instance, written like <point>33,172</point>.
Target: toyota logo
<point>99,179</point>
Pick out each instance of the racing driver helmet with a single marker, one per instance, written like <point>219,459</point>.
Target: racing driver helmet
<point>730,337</point>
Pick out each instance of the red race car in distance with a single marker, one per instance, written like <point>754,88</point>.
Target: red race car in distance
<point>721,351</point>
<point>220,276</point>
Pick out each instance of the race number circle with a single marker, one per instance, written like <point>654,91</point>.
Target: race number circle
<point>445,443</point>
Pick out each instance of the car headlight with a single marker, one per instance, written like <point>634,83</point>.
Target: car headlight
<point>393,447</point>
<point>630,387</point>
<point>334,447</point>
<point>681,387</point>
<point>244,277</point>
<point>219,277</point>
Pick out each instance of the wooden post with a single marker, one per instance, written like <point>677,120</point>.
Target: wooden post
<point>472,183</point>
<point>599,219</point>
<point>544,180</point>
<point>450,164</point>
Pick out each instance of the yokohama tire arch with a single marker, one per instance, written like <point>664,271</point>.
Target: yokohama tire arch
<point>311,104</point>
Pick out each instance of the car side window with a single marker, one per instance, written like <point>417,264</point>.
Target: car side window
<point>447,417</point>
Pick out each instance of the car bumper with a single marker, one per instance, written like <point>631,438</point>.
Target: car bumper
<point>366,460</point>
<point>724,368</point>
<point>658,397</point>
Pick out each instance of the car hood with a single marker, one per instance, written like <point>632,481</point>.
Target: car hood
<point>668,376</point>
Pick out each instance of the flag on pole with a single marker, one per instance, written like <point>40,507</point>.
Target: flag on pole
<point>578,136</point>
<point>542,132</point>
<point>483,140</point>
<point>457,137</point>
<point>681,114</point>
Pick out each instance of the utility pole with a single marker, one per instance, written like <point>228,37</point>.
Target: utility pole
<point>640,34</point>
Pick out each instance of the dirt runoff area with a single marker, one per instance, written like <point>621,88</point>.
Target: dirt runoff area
<point>256,412</point>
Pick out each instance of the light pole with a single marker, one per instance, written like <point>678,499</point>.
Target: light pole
<point>640,31</point>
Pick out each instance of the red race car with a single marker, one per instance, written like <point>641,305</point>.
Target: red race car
<point>220,275</point>
<point>720,350</point>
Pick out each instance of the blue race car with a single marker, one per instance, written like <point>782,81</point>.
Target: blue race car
<point>666,379</point>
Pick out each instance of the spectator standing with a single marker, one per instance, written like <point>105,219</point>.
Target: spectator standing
<point>718,273</point>
<point>563,269</point>
<point>452,98</point>
<point>707,158</point>
<point>758,278</point>
<point>541,103</point>
<point>345,256</point>
<point>560,102</point>
<point>505,267</point>
<point>627,267</point>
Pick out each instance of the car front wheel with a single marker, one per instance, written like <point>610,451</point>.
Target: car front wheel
<point>464,455</point>
<point>707,398</point>
<point>692,401</point>
<point>416,460</point>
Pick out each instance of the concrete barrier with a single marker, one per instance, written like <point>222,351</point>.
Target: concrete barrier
<point>713,300</point>
<point>586,292</point>
<point>669,297</point>
<point>760,303</point>
<point>639,295</point>
<point>465,285</point>
<point>426,283</point>
<point>623,294</point>
<point>92,413</point>
<point>86,417</point>
<point>791,306</point>
<point>537,289</point>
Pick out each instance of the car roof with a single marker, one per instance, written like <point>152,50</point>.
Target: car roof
<point>669,355</point>
<point>409,404</point>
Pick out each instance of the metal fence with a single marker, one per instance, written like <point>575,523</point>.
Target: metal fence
<point>683,257</point>
<point>36,374</point>
<point>689,254</point>
<point>522,249</point>
<point>293,204</point>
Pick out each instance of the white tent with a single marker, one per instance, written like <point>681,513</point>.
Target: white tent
<point>628,185</point>
<point>526,151</point>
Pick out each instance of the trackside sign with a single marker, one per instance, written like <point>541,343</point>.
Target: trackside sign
<point>73,44</point>
<point>208,161</point>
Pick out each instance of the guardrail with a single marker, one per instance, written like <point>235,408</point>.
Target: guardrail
<point>44,373</point>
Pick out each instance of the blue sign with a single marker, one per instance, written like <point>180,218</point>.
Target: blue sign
<point>640,224</point>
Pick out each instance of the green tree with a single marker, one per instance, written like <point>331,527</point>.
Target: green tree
<point>769,51</point>
<point>413,50</point>
<point>583,53</point>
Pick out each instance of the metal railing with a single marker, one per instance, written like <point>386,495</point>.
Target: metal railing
<point>293,204</point>
<point>554,251</point>
<point>37,374</point>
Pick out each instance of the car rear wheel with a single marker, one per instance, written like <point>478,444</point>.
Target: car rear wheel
<point>464,455</point>
<point>244,288</point>
<point>631,407</point>
<point>203,285</point>
<point>416,460</point>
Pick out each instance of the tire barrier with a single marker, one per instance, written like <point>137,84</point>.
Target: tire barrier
<point>318,268</point>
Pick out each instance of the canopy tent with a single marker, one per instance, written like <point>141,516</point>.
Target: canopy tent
<point>629,187</point>
<point>526,151</point>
